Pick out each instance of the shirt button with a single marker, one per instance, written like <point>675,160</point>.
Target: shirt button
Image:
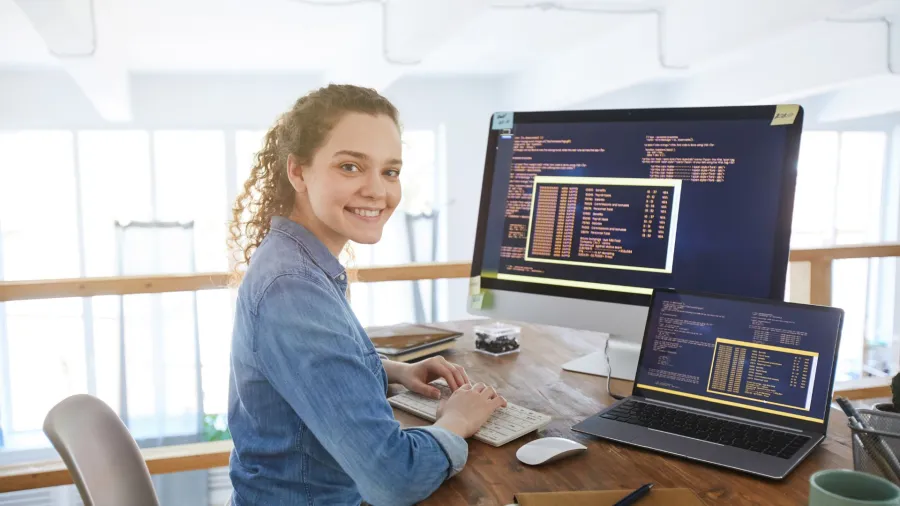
<point>342,276</point>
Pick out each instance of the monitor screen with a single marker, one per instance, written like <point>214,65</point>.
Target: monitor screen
<point>753,358</point>
<point>608,205</point>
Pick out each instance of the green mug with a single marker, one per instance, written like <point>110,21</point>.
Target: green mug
<point>843,487</point>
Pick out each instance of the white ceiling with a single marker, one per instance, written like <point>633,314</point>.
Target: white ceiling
<point>554,53</point>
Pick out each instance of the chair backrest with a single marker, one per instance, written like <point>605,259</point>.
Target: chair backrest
<point>100,454</point>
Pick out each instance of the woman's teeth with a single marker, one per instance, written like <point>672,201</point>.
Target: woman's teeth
<point>367,213</point>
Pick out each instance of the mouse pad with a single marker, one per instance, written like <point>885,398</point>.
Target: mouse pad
<point>657,496</point>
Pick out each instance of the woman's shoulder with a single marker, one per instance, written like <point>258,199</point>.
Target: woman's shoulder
<point>274,262</point>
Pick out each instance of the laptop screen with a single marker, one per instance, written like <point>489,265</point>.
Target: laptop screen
<point>757,359</point>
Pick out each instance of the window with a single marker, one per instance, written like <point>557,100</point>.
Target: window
<point>838,201</point>
<point>112,191</point>
<point>91,180</point>
<point>49,349</point>
<point>37,191</point>
<point>190,183</point>
<point>37,194</point>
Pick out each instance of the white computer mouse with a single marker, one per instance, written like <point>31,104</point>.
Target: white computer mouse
<point>548,449</point>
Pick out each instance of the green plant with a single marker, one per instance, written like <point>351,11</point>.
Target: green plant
<point>215,428</point>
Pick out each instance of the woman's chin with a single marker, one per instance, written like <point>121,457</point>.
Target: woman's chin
<point>367,238</point>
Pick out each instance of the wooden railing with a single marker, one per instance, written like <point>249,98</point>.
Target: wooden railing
<point>128,285</point>
<point>810,277</point>
<point>811,269</point>
<point>810,282</point>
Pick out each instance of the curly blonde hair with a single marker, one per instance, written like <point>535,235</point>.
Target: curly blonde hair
<point>301,131</point>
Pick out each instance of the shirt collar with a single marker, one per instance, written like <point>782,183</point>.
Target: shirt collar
<point>315,248</point>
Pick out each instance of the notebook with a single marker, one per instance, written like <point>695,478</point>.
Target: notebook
<point>407,337</point>
<point>422,352</point>
<point>656,497</point>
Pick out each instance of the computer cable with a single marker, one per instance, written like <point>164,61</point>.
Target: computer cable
<point>609,373</point>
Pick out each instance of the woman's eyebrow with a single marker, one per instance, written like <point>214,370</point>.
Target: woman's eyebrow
<point>365,157</point>
<point>355,154</point>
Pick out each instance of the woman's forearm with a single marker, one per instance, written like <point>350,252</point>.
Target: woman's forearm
<point>393,369</point>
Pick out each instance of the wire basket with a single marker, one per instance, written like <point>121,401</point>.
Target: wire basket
<point>876,449</point>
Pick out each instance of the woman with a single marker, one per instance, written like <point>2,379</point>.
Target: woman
<point>307,404</point>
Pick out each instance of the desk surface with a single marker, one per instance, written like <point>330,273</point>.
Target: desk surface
<point>534,379</point>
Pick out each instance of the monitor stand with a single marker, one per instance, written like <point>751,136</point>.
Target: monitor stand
<point>623,356</point>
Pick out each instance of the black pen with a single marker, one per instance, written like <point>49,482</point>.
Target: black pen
<point>634,496</point>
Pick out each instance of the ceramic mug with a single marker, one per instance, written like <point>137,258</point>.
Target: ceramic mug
<point>843,487</point>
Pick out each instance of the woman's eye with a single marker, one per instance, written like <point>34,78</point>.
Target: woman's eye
<point>349,167</point>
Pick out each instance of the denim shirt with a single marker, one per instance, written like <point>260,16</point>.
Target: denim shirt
<point>307,404</point>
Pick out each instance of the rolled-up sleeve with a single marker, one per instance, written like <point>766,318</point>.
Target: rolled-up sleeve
<point>305,348</point>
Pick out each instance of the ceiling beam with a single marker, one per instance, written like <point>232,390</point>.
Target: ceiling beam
<point>791,67</point>
<point>872,97</point>
<point>699,31</point>
<point>653,44</point>
<point>591,69</point>
<point>87,38</point>
<point>410,30</point>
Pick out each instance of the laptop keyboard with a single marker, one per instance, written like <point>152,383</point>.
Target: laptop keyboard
<point>715,430</point>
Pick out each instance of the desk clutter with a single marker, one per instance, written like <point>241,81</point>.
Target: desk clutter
<point>505,425</point>
<point>408,341</point>
<point>876,441</point>
<point>497,338</point>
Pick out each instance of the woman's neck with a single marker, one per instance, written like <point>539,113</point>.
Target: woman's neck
<point>316,227</point>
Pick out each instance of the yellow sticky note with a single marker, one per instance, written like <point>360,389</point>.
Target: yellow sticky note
<point>785,114</point>
<point>475,300</point>
<point>474,285</point>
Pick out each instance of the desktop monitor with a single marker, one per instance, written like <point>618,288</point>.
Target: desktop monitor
<point>584,213</point>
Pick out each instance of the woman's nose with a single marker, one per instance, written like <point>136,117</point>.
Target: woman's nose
<point>373,187</point>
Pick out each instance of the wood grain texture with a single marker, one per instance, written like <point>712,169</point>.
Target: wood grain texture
<point>820,282</point>
<point>863,388</point>
<point>533,378</point>
<point>128,285</point>
<point>850,251</point>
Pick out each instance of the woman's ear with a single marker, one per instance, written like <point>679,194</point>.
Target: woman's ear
<point>295,174</point>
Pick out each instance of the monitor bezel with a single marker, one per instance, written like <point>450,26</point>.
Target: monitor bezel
<point>780,251</point>
<point>749,414</point>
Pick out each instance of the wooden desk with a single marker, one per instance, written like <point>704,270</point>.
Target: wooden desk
<point>534,379</point>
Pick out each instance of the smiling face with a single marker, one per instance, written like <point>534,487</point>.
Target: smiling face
<point>352,185</point>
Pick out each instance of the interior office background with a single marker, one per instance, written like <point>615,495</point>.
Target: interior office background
<point>116,113</point>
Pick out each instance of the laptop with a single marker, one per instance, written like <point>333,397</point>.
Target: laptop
<point>736,382</point>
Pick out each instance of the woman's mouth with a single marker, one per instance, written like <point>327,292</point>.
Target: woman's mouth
<point>365,214</point>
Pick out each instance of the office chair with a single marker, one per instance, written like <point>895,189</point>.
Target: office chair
<point>103,459</point>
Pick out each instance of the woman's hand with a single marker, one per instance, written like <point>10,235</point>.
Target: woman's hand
<point>416,376</point>
<point>464,412</point>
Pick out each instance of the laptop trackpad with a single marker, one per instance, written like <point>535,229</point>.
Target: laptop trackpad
<point>681,445</point>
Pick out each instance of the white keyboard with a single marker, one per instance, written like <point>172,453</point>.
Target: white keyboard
<point>504,425</point>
